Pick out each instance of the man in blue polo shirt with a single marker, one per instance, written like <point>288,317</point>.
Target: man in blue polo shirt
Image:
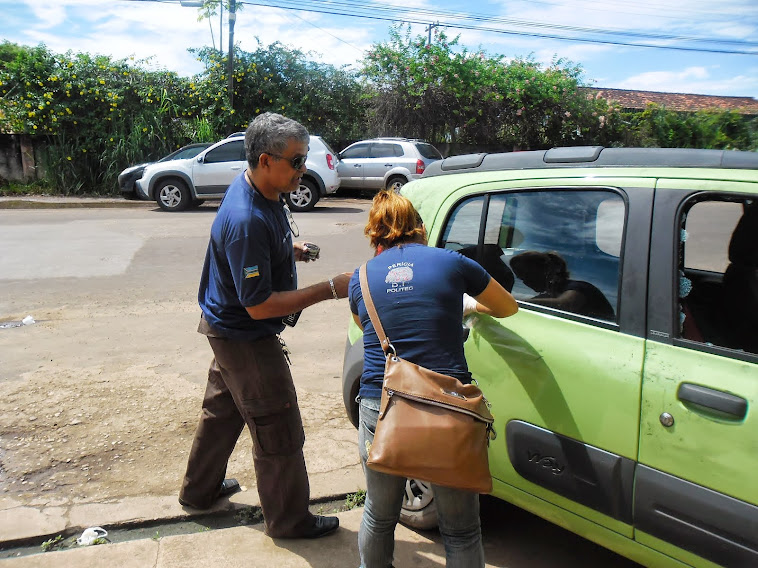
<point>248,284</point>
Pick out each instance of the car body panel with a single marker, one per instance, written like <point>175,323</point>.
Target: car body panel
<point>128,177</point>
<point>580,404</point>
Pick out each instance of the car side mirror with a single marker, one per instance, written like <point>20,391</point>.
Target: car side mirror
<point>200,159</point>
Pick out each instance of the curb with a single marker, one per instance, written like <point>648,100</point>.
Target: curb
<point>7,202</point>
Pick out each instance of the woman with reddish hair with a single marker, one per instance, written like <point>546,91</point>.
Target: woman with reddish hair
<point>418,293</point>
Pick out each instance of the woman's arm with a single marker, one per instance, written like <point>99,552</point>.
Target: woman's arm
<point>497,300</point>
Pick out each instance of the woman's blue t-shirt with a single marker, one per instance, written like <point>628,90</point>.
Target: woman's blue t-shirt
<point>418,294</point>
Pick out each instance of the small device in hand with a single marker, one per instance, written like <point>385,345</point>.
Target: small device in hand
<point>291,319</point>
<point>311,251</point>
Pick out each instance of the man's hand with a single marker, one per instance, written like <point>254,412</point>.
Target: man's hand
<point>341,282</point>
<point>304,251</point>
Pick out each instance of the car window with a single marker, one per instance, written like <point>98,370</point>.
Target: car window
<point>718,272</point>
<point>184,153</point>
<point>356,151</point>
<point>386,150</point>
<point>229,152</point>
<point>559,249</point>
<point>326,145</point>
<point>428,151</point>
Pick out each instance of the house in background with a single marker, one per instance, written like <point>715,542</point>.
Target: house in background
<point>682,102</point>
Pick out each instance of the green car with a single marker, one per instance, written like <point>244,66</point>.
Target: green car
<point>623,388</point>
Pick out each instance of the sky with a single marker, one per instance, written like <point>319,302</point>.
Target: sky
<point>705,47</point>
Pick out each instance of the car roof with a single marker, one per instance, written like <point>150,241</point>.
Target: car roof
<point>595,156</point>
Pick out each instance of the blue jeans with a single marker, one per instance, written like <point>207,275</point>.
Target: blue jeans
<point>457,511</point>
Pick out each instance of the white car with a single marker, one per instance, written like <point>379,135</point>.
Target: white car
<point>180,184</point>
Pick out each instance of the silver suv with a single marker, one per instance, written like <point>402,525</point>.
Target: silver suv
<point>384,162</point>
<point>180,184</point>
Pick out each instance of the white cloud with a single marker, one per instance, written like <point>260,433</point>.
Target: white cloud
<point>696,80</point>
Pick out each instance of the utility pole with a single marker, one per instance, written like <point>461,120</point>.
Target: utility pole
<point>230,72</point>
<point>221,28</point>
<point>429,29</point>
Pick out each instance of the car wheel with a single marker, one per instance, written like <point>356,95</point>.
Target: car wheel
<point>419,509</point>
<point>173,195</point>
<point>304,198</point>
<point>395,183</point>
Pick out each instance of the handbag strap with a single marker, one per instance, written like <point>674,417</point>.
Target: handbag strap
<point>371,309</point>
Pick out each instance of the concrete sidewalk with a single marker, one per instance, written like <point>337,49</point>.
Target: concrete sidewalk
<point>245,545</point>
<point>242,546</point>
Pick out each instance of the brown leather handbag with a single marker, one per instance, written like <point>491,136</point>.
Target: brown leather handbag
<point>431,426</point>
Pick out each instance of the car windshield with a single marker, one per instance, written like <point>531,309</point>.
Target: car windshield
<point>428,151</point>
<point>184,153</point>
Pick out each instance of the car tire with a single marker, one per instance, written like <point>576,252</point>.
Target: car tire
<point>304,198</point>
<point>172,194</point>
<point>419,509</point>
<point>395,183</point>
<point>197,202</point>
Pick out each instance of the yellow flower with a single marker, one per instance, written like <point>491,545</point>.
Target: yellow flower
<point>35,127</point>
<point>144,129</point>
<point>68,158</point>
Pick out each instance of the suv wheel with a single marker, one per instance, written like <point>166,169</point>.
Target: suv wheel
<point>419,509</point>
<point>304,198</point>
<point>395,183</point>
<point>173,195</point>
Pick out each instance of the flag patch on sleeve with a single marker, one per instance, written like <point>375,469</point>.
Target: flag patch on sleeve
<point>251,271</point>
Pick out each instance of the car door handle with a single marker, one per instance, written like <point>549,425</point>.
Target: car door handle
<point>236,167</point>
<point>356,165</point>
<point>714,399</point>
<point>388,165</point>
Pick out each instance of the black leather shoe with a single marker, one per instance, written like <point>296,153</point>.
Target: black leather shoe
<point>228,487</point>
<point>321,526</point>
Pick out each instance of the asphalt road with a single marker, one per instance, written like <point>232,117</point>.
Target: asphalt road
<point>142,265</point>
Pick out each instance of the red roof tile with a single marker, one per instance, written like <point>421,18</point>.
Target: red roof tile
<point>676,101</point>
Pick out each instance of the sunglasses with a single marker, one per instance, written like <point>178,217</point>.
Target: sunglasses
<point>296,162</point>
<point>293,226</point>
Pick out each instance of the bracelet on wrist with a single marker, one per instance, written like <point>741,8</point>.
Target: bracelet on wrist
<point>334,290</point>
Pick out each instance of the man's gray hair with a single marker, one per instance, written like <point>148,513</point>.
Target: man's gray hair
<point>269,133</point>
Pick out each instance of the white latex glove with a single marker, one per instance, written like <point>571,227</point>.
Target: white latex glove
<point>469,305</point>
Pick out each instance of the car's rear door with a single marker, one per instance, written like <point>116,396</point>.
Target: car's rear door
<point>564,381</point>
<point>697,480</point>
<point>218,167</point>
<point>384,157</point>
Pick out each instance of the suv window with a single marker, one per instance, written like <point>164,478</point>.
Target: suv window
<point>357,151</point>
<point>229,152</point>
<point>428,151</point>
<point>558,249</point>
<point>718,272</point>
<point>386,150</point>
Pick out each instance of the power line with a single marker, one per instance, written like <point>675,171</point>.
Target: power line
<point>402,18</point>
<point>370,8</point>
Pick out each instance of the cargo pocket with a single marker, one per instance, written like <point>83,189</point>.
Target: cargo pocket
<point>276,426</point>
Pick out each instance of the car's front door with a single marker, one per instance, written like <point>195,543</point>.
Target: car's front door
<point>563,375</point>
<point>350,166</point>
<point>697,480</point>
<point>218,167</point>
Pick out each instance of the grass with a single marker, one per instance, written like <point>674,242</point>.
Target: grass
<point>357,499</point>
<point>52,544</point>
